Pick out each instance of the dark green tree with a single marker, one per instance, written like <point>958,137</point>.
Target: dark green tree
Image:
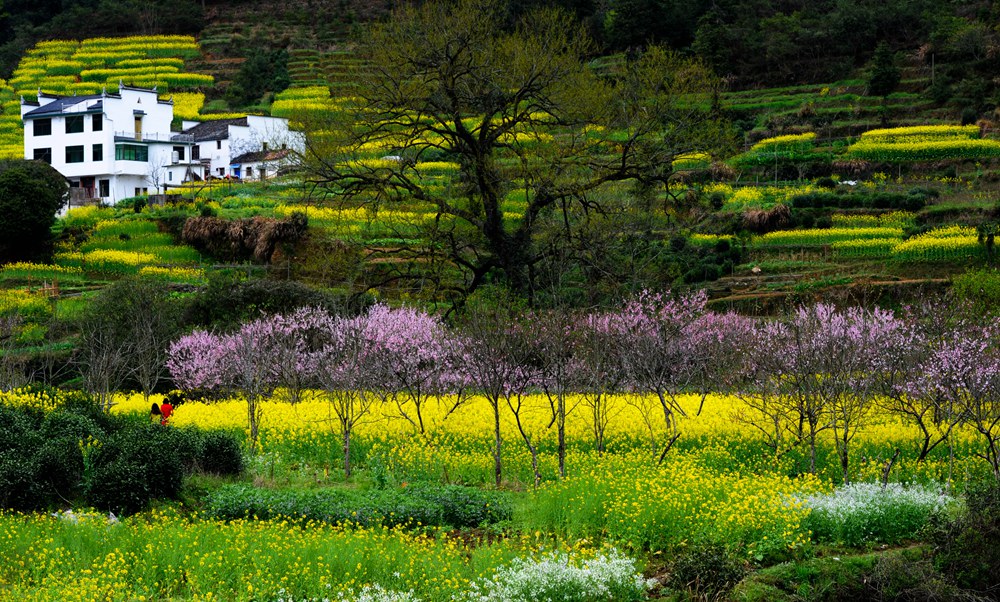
<point>883,74</point>
<point>264,71</point>
<point>31,193</point>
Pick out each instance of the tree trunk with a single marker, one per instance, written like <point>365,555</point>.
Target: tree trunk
<point>561,431</point>
<point>346,430</point>
<point>497,465</point>
<point>812,452</point>
<point>253,421</point>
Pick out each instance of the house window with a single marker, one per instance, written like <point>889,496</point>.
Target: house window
<point>222,171</point>
<point>195,153</point>
<point>170,176</point>
<point>74,124</point>
<point>98,152</point>
<point>218,145</point>
<point>74,154</point>
<point>43,154</point>
<point>131,152</point>
<point>105,188</point>
<point>264,146</point>
<point>249,172</point>
<point>180,152</point>
<point>43,127</point>
<point>97,122</point>
<point>139,191</point>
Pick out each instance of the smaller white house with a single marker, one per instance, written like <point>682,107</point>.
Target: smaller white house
<point>109,146</point>
<point>252,147</point>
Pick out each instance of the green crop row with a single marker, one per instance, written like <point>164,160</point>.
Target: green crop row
<point>864,248</point>
<point>903,152</point>
<point>920,132</point>
<point>824,236</point>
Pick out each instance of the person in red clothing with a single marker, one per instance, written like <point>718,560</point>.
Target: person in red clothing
<point>166,410</point>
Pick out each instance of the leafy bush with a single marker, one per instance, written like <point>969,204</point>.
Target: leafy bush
<point>912,201</point>
<point>115,463</point>
<point>20,487</point>
<point>464,506</point>
<point>966,547</point>
<point>134,466</point>
<point>706,571</point>
<point>221,454</point>
<point>911,576</point>
<point>980,287</point>
<point>230,301</point>
<point>450,505</point>
<point>31,192</point>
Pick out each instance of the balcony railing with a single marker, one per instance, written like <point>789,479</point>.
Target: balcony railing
<point>152,137</point>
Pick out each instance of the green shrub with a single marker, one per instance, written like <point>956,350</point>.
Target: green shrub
<point>980,288</point>
<point>122,483</point>
<point>20,487</point>
<point>464,506</point>
<point>228,301</point>
<point>966,547</point>
<point>140,462</point>
<point>221,454</point>
<point>910,575</point>
<point>60,467</point>
<point>706,572</point>
<point>449,505</point>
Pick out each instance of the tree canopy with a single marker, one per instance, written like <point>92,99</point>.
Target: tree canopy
<point>31,192</point>
<point>517,108</point>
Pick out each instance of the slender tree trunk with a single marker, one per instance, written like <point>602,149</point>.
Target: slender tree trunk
<point>561,432</point>
<point>498,439</point>
<point>527,442</point>
<point>253,420</point>
<point>346,430</point>
<point>845,456</point>
<point>812,452</point>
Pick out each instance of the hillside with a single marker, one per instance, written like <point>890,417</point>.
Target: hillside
<point>716,212</point>
<point>521,315</point>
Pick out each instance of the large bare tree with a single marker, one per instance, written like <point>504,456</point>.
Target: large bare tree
<point>516,106</point>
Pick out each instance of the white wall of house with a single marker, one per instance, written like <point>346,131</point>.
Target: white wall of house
<point>260,133</point>
<point>113,145</point>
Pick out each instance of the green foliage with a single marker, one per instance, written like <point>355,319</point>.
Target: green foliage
<point>912,201</point>
<point>230,300</point>
<point>911,575</point>
<point>980,288</point>
<point>76,452</point>
<point>965,548</point>
<point>128,470</point>
<point>263,72</point>
<point>884,75</point>
<point>31,192</point>
<point>221,454</point>
<point>706,571</point>
<point>426,504</point>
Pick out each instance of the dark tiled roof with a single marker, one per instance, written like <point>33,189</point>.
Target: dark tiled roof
<point>216,129</point>
<point>59,106</point>
<point>262,155</point>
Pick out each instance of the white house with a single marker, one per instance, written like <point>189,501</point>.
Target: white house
<point>109,146</point>
<point>252,147</point>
